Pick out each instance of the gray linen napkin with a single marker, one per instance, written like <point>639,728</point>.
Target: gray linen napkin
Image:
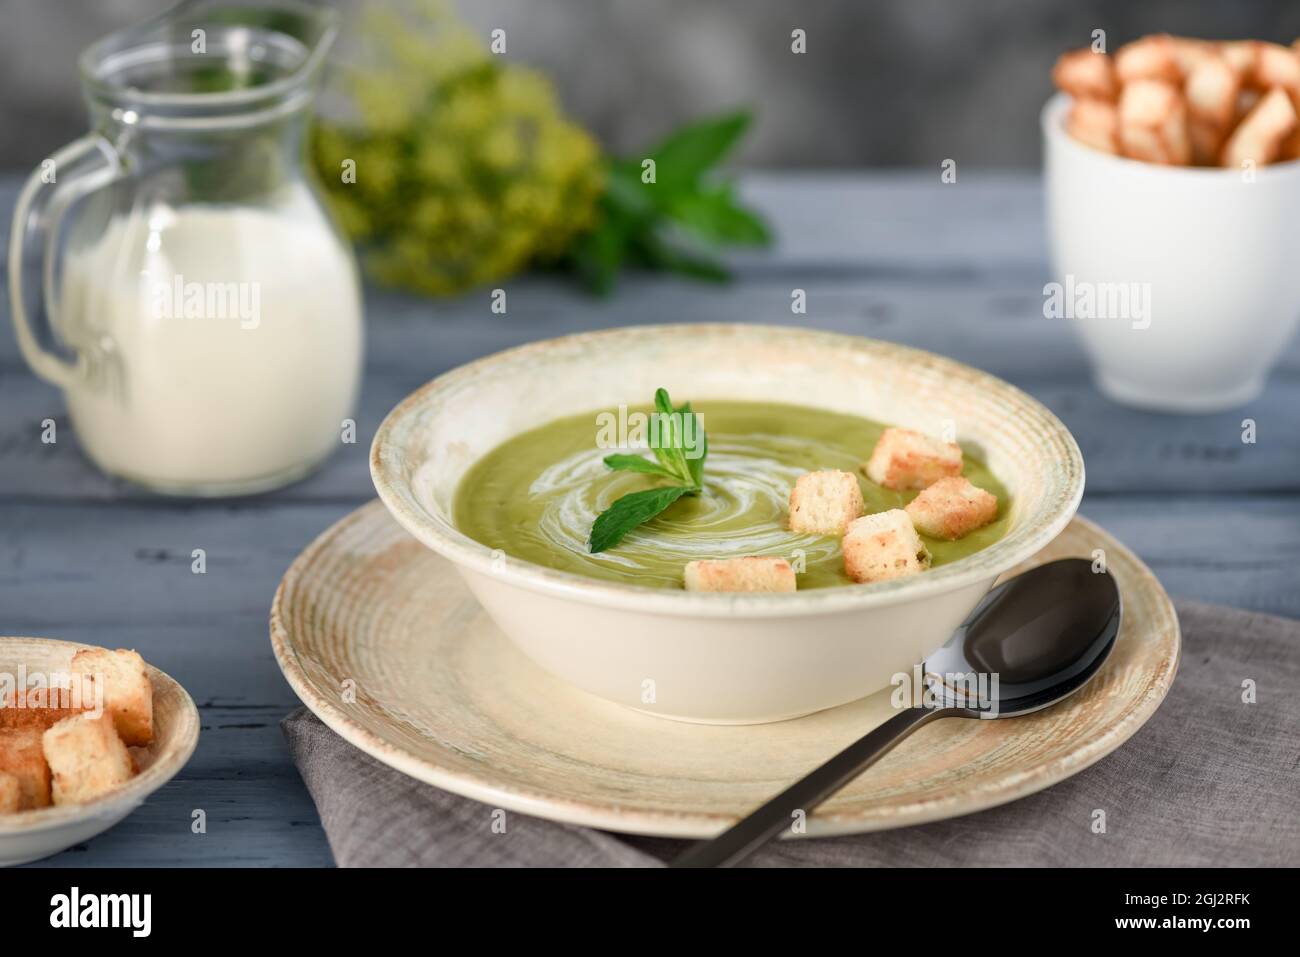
<point>1210,780</point>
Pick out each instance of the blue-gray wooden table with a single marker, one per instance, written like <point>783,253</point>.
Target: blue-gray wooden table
<point>956,268</point>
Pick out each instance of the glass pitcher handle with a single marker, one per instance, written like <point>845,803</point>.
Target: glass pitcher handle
<point>80,168</point>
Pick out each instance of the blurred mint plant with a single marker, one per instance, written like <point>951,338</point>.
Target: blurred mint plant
<point>467,171</point>
<point>669,211</point>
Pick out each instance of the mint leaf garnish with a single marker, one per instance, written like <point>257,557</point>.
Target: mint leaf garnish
<point>630,511</point>
<point>669,448</point>
<point>635,463</point>
<point>669,445</point>
<point>696,465</point>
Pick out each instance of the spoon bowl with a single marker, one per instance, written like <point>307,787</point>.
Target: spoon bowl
<point>1043,634</point>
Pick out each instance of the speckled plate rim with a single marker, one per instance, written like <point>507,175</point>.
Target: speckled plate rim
<point>1060,500</point>
<point>168,762</point>
<point>611,817</point>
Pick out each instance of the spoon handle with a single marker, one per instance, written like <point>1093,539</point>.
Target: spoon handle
<point>748,835</point>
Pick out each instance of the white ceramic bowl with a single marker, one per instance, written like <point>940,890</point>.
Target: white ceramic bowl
<point>1213,248</point>
<point>30,835</point>
<point>713,657</point>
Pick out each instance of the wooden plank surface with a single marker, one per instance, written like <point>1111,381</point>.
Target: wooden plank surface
<point>958,269</point>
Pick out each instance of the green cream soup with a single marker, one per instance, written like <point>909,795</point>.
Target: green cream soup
<point>536,496</point>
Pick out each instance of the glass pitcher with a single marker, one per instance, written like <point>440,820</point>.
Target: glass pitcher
<point>203,312</point>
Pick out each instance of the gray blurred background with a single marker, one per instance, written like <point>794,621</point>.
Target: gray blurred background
<point>884,82</point>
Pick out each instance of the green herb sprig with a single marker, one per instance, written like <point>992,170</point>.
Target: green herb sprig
<point>679,222</point>
<point>670,461</point>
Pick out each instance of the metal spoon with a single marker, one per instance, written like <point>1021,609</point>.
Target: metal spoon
<point>1043,634</point>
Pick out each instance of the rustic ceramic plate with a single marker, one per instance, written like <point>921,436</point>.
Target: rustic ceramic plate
<point>30,835</point>
<point>380,638</point>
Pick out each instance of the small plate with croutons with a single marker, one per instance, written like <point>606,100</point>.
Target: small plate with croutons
<point>86,734</point>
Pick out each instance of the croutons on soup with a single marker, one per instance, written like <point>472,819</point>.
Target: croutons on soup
<point>903,459</point>
<point>883,546</point>
<point>752,573</point>
<point>824,503</point>
<point>952,508</point>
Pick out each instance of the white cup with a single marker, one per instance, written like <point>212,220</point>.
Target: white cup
<point>1183,282</point>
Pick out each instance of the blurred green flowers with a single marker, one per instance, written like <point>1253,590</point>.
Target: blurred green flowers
<point>467,171</point>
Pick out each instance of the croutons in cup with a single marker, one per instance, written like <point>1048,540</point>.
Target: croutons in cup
<point>1180,281</point>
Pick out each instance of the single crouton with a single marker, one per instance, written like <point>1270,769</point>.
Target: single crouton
<point>952,508</point>
<point>1085,75</point>
<point>905,459</point>
<point>10,793</point>
<point>127,693</point>
<point>751,573</point>
<point>1259,137</point>
<point>1276,65</point>
<point>86,757</point>
<point>21,757</point>
<point>1153,123</point>
<point>883,546</point>
<point>824,503</point>
<point>1149,58</point>
<point>1094,124</point>
<point>1211,91</point>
